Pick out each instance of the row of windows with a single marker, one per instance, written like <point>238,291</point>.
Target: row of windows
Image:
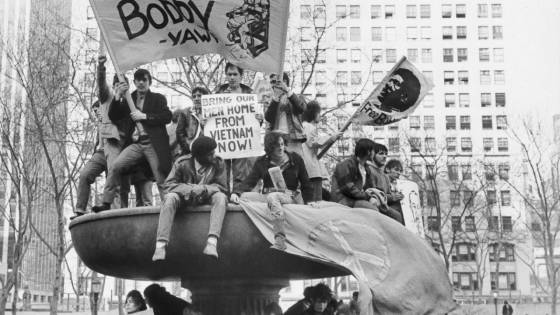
<point>464,99</point>
<point>485,77</point>
<point>467,251</point>
<point>412,11</point>
<point>463,54</point>
<point>493,222</point>
<point>469,281</point>
<point>418,172</point>
<point>465,122</point>
<point>452,145</point>
<point>412,33</point>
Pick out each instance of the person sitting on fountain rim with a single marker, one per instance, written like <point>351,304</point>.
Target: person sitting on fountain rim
<point>294,175</point>
<point>195,179</point>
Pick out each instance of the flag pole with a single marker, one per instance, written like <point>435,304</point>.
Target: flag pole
<point>349,121</point>
<point>104,44</point>
<point>283,52</point>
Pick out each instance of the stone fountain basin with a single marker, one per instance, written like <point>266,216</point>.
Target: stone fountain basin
<point>121,242</point>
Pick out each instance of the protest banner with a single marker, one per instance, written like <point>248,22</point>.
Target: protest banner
<point>411,207</point>
<point>231,121</point>
<point>249,33</point>
<point>396,97</point>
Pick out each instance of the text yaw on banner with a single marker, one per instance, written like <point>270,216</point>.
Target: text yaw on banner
<point>249,33</point>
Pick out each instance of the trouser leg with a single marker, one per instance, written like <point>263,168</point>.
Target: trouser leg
<point>166,216</point>
<point>93,168</point>
<point>217,214</point>
<point>151,157</point>
<point>275,201</point>
<point>129,157</point>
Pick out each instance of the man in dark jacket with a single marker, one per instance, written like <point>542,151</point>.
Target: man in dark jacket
<point>190,124</point>
<point>194,180</point>
<point>146,129</point>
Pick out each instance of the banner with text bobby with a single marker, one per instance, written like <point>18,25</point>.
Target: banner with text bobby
<point>249,33</point>
<point>395,97</point>
<point>231,120</point>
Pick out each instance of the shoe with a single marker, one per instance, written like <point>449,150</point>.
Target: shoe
<point>159,254</point>
<point>279,242</point>
<point>77,213</point>
<point>210,250</point>
<point>103,207</point>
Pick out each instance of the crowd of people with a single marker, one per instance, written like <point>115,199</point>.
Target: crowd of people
<point>317,300</point>
<point>140,141</point>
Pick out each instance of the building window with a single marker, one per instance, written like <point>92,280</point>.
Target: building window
<point>377,76</point>
<point>450,122</point>
<point>466,144</point>
<point>501,122</point>
<point>426,32</point>
<point>507,224</point>
<point>485,77</point>
<point>426,55</point>
<point>447,32</point>
<point>415,144</point>
<point>340,12</point>
<point>448,77</point>
<point>484,54</point>
<point>394,145</point>
<point>449,100</point>
<point>463,252</point>
<point>376,34</point>
<point>485,99</point>
<point>453,172</point>
<point>463,77</point>
<point>506,281</point>
<point>487,122</point>
<point>391,55</point>
<point>356,77</point>
<point>390,34</point>
<point>425,11</point>
<point>469,223</point>
<point>491,199</point>
<point>466,171</point>
<point>341,55</point>
<point>305,12</point>
<point>483,32</point>
<point>503,145</point>
<point>451,144</point>
<point>356,55</point>
<point>465,281</point>
<point>377,55</point>
<point>505,195</point>
<point>461,32</point>
<point>411,11</point>
<point>433,221</point>
<point>507,252</point>
<point>464,100</point>
<point>498,55</point>
<point>414,122</point>
<point>375,11</point>
<point>487,144</point>
<point>482,10</point>
<point>496,10</point>
<point>503,171</point>
<point>354,11</point>
<point>320,78</point>
<point>430,145</point>
<point>341,78</point>
<point>412,54</point>
<point>90,14</point>
<point>455,220</point>
<point>462,54</point>
<point>429,122</point>
<point>320,12</point>
<point>430,76</point>
<point>465,122</point>
<point>411,33</point>
<point>446,11</point>
<point>499,77</point>
<point>355,34</point>
<point>428,101</point>
<point>448,55</point>
<point>389,11</point>
<point>461,11</point>
<point>341,34</point>
<point>497,32</point>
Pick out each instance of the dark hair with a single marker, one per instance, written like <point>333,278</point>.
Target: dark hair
<point>321,291</point>
<point>363,147</point>
<point>285,77</point>
<point>162,302</point>
<point>312,109</point>
<point>116,79</point>
<point>307,292</point>
<point>378,148</point>
<point>272,308</point>
<point>175,116</point>
<point>355,294</point>
<point>231,65</point>
<point>138,299</point>
<point>200,89</point>
<point>141,74</point>
<point>393,164</point>
<point>95,104</point>
<point>271,141</point>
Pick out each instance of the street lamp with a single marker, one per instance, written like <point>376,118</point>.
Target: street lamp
<point>95,290</point>
<point>496,302</point>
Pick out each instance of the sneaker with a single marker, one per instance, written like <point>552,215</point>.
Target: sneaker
<point>103,207</point>
<point>159,254</point>
<point>210,250</point>
<point>77,213</point>
<point>279,242</point>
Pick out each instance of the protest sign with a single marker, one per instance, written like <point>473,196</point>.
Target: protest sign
<point>231,121</point>
<point>397,96</point>
<point>411,207</point>
<point>249,33</point>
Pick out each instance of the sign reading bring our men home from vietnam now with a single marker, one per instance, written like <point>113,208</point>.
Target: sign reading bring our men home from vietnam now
<point>231,121</point>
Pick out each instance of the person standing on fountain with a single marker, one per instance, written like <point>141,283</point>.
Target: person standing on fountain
<point>195,179</point>
<point>291,168</point>
<point>190,125</point>
<point>147,131</point>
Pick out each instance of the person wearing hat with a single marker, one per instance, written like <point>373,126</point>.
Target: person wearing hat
<point>195,179</point>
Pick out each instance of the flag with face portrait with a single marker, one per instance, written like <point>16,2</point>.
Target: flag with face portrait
<point>396,97</point>
<point>248,33</point>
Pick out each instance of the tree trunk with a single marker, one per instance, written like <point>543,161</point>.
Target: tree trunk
<point>553,296</point>
<point>3,301</point>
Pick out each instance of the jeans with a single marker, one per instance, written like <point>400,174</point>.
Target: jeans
<point>388,211</point>
<point>173,201</point>
<point>275,200</point>
<point>129,157</point>
<point>93,168</point>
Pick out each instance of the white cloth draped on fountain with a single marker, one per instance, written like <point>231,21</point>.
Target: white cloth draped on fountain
<point>402,272</point>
